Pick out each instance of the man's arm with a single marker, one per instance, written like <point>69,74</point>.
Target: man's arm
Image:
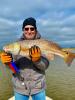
<point>42,64</point>
<point>39,61</point>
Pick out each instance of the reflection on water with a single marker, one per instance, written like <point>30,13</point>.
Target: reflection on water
<point>60,81</point>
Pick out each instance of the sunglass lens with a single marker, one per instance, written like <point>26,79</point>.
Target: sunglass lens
<point>26,29</point>
<point>32,29</point>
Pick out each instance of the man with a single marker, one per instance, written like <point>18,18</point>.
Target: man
<point>32,70</point>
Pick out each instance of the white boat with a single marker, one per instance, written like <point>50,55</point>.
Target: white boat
<point>47,98</point>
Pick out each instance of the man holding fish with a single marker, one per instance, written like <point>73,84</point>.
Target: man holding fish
<point>31,68</point>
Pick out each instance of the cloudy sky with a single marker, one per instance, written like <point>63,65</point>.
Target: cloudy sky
<point>55,19</point>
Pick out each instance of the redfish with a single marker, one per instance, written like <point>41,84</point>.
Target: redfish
<point>48,49</point>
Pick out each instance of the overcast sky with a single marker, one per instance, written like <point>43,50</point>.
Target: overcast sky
<point>55,19</point>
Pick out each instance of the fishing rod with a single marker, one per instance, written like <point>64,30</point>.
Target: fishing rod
<point>13,67</point>
<point>15,70</point>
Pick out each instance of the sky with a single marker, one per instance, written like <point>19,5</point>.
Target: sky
<point>55,19</point>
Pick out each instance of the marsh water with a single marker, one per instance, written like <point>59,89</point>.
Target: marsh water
<point>59,77</point>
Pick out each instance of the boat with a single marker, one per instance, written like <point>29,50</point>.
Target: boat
<point>13,98</point>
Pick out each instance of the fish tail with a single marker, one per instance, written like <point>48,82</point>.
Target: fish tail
<point>70,57</point>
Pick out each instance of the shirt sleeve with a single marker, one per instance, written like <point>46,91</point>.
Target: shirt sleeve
<point>42,64</point>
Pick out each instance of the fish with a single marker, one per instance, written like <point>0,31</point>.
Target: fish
<point>48,49</point>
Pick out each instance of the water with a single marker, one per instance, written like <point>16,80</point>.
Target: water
<point>60,81</point>
<point>5,83</point>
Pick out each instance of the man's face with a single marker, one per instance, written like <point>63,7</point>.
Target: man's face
<point>29,32</point>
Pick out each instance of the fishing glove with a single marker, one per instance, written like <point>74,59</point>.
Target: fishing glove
<point>35,53</point>
<point>6,58</point>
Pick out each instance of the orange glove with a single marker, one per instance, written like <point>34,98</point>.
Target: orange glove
<point>35,53</point>
<point>5,58</point>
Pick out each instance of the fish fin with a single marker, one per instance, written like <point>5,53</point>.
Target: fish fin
<point>69,58</point>
<point>24,49</point>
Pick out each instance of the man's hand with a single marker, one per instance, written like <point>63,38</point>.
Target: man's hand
<point>35,53</point>
<point>6,58</point>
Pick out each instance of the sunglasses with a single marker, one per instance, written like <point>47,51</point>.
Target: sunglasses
<point>31,28</point>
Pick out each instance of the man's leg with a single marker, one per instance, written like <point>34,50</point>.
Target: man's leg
<point>39,96</point>
<point>20,96</point>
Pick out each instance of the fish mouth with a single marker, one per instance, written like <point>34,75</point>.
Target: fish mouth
<point>5,49</point>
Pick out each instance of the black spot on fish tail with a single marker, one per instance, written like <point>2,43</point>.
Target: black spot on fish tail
<point>70,58</point>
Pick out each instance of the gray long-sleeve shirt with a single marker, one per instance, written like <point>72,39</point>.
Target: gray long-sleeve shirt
<point>33,74</point>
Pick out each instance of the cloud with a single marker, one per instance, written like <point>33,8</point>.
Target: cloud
<point>55,19</point>
<point>6,24</point>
